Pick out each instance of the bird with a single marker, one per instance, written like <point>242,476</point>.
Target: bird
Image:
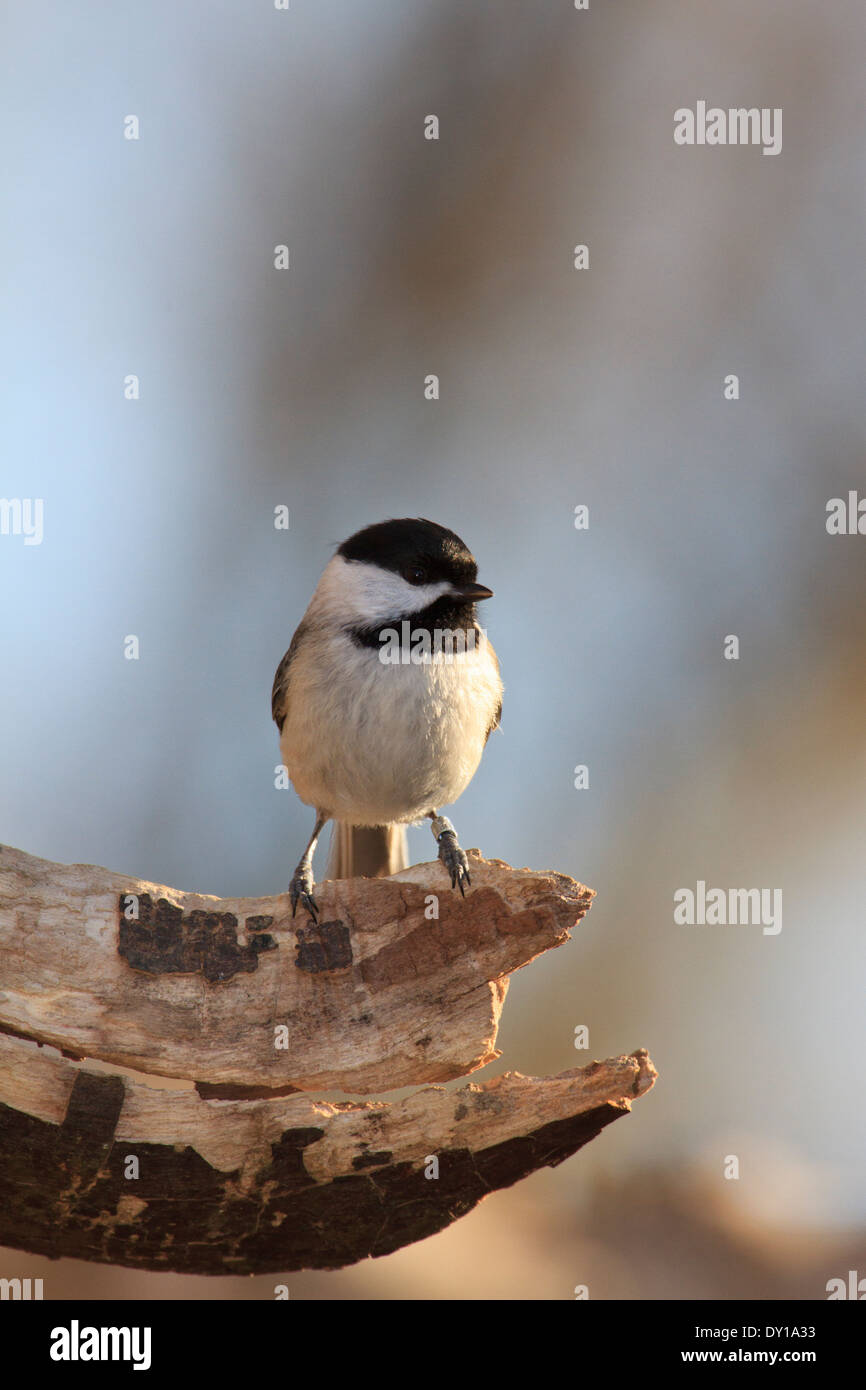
<point>386,698</point>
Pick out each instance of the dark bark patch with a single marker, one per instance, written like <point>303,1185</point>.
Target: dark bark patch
<point>61,1187</point>
<point>165,940</point>
<point>257,924</point>
<point>371,1160</point>
<point>324,947</point>
<point>92,1112</point>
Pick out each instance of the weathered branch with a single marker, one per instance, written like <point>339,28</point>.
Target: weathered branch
<point>251,1186</point>
<point>401,982</point>
<point>379,995</point>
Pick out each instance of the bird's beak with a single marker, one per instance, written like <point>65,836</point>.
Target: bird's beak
<point>471,592</point>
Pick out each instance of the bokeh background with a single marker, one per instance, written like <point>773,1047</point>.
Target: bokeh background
<point>601,387</point>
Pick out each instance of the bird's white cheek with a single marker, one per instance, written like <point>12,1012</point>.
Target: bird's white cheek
<point>388,596</point>
<point>353,593</point>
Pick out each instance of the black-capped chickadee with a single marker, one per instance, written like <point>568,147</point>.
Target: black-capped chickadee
<point>386,698</point>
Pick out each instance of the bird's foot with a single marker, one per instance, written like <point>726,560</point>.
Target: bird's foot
<point>450,853</point>
<point>301,890</point>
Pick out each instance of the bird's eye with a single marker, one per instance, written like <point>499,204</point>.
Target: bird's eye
<point>415,574</point>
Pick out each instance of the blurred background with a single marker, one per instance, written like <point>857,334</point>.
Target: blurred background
<point>558,387</point>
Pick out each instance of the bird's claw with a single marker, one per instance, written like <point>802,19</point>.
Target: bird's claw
<point>301,891</point>
<point>455,861</point>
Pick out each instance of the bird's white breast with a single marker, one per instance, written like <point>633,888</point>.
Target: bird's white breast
<point>373,743</point>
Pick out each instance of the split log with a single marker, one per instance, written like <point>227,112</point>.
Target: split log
<point>231,992</point>
<point>286,1183</point>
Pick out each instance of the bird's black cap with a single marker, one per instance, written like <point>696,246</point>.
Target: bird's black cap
<point>421,551</point>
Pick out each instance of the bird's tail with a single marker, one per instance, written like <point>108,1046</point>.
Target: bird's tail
<point>367,851</point>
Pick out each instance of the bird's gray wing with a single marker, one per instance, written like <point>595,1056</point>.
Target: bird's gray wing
<point>280,690</point>
<point>495,722</point>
